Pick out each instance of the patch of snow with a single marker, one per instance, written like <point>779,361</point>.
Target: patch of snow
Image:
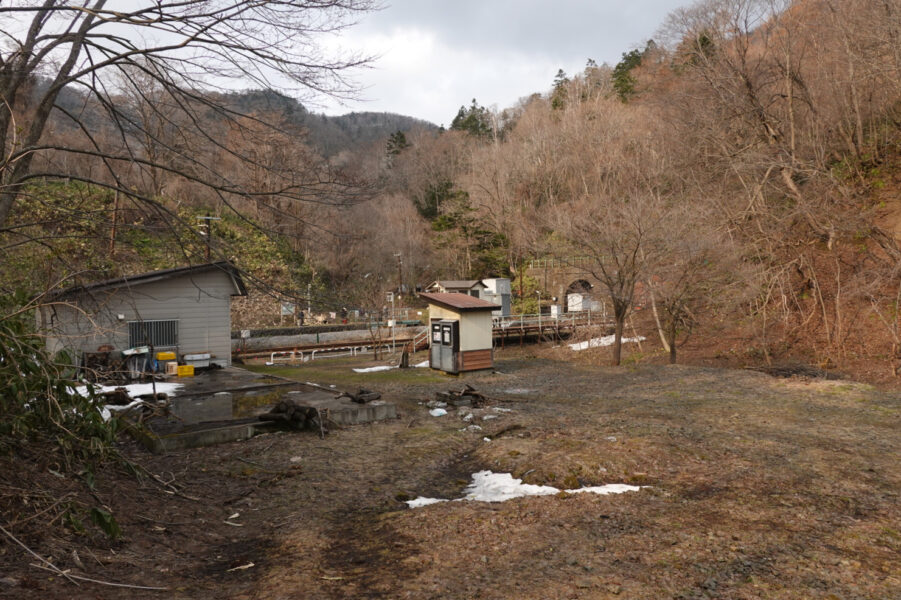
<point>123,407</point>
<point>134,389</point>
<point>501,409</point>
<point>520,391</point>
<point>607,340</point>
<point>468,417</point>
<point>610,488</point>
<point>489,417</point>
<point>422,501</point>
<point>421,365</point>
<point>486,439</point>
<point>437,412</point>
<point>487,486</point>
<point>374,369</point>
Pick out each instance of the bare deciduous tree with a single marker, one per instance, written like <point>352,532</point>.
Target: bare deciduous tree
<point>74,61</point>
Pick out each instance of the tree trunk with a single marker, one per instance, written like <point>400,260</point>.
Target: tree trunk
<point>618,338</point>
<point>671,342</point>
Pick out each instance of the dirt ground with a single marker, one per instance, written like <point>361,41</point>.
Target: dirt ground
<point>754,487</point>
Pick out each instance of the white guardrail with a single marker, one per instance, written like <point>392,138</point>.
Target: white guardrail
<point>299,356</point>
<point>574,318</point>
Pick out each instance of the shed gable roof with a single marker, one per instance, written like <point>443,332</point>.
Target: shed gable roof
<point>142,278</point>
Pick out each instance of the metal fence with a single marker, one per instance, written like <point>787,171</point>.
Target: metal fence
<point>560,263</point>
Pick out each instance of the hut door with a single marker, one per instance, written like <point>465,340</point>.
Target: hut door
<point>435,346</point>
<point>445,342</point>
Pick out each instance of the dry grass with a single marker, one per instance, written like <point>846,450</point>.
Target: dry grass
<point>756,488</point>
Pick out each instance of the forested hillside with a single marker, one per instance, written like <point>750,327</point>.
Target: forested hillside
<point>739,170</point>
<point>742,168</point>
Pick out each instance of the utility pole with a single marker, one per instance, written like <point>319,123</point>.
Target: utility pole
<point>400,275</point>
<point>112,237</point>
<point>392,321</point>
<point>208,231</point>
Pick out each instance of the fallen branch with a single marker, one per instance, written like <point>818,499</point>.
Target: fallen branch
<point>98,581</point>
<point>173,488</point>
<point>168,524</point>
<point>37,556</point>
<point>46,510</point>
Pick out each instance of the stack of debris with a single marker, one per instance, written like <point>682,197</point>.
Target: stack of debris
<point>468,396</point>
<point>362,396</point>
<point>294,416</point>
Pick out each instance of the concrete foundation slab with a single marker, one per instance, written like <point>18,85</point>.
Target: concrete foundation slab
<point>206,413</point>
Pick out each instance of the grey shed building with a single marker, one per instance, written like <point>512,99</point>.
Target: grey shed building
<point>186,310</point>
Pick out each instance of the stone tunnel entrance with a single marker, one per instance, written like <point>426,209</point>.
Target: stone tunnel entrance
<point>578,296</point>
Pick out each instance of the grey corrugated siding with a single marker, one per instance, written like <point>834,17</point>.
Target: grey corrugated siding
<point>200,302</point>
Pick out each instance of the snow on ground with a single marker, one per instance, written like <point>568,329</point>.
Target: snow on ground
<point>437,412</point>
<point>424,363</point>
<point>487,486</point>
<point>607,340</point>
<point>423,502</point>
<point>133,389</point>
<point>374,369</point>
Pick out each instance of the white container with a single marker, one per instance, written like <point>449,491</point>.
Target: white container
<point>197,360</point>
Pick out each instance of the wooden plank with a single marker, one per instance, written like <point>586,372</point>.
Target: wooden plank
<point>474,360</point>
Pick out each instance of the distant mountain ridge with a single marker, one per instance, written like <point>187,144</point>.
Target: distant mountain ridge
<point>329,135</point>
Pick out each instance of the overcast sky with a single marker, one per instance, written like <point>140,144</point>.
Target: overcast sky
<point>436,55</point>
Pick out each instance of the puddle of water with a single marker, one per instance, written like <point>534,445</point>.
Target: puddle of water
<point>224,406</point>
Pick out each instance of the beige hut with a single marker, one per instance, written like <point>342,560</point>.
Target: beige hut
<point>460,332</point>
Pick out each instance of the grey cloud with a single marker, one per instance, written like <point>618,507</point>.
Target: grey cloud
<point>565,30</point>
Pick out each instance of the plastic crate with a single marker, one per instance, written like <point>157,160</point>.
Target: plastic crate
<point>165,356</point>
<point>186,370</point>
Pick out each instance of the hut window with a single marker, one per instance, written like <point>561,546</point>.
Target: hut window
<point>152,333</point>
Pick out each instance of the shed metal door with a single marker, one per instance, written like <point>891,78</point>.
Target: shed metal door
<point>435,346</point>
<point>444,346</point>
<point>450,331</point>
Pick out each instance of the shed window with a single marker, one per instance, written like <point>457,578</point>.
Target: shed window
<point>152,333</point>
